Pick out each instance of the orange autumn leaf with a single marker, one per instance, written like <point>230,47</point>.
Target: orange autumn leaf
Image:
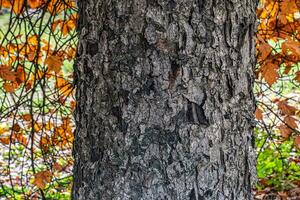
<point>269,72</point>
<point>73,105</point>
<point>270,10</point>
<point>297,141</point>
<point>288,68</point>
<point>282,19</point>
<point>35,3</point>
<point>54,63</point>
<point>41,179</point>
<point>71,53</point>
<point>20,138</point>
<point>8,87</point>
<point>28,86</point>
<point>58,167</point>
<point>26,117</point>
<point>264,51</point>
<point>12,48</point>
<point>37,127</point>
<point>288,7</point>
<point>5,3</point>
<point>55,24</point>
<point>20,75</point>
<point>5,139</point>
<point>297,78</point>
<point>46,45</point>
<point>45,142</point>
<point>17,6</point>
<point>285,131</point>
<point>6,73</point>
<point>285,108</point>
<point>55,7</point>
<point>16,127</point>
<point>291,46</point>
<point>63,86</point>
<point>67,26</point>
<point>291,122</point>
<point>258,114</point>
<point>33,40</point>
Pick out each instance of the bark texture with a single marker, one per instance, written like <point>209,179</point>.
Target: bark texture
<point>164,100</point>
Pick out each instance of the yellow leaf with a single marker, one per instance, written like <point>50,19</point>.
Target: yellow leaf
<point>45,142</point>
<point>67,26</point>
<point>33,40</point>
<point>63,86</point>
<point>18,6</point>
<point>55,7</point>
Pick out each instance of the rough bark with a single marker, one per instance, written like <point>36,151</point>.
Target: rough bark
<point>164,100</point>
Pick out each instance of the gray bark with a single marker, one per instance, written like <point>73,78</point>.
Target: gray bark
<point>164,100</point>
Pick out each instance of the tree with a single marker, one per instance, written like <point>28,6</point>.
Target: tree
<point>164,100</point>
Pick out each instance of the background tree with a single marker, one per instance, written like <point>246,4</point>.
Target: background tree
<point>164,100</point>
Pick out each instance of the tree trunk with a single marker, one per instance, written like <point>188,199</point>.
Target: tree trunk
<point>164,100</point>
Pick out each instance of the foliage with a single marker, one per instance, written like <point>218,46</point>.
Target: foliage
<point>278,94</point>
<point>37,48</point>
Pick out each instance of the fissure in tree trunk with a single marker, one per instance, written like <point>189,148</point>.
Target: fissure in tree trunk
<point>164,100</point>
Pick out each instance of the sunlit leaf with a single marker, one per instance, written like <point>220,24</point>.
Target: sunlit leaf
<point>35,3</point>
<point>16,127</point>
<point>54,63</point>
<point>297,78</point>
<point>41,179</point>
<point>258,114</point>
<point>269,72</point>
<point>297,141</point>
<point>285,131</point>
<point>8,87</point>
<point>291,122</point>
<point>6,73</point>
<point>285,108</point>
